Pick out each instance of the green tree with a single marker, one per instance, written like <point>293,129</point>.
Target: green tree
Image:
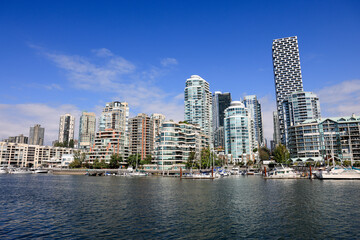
<point>115,160</point>
<point>147,160</point>
<point>264,153</point>
<point>76,163</point>
<point>133,159</point>
<point>71,143</point>
<point>281,154</point>
<point>191,160</point>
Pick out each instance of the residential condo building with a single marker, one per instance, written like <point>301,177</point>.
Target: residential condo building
<point>66,128</point>
<point>253,105</point>
<point>198,103</point>
<point>87,129</point>
<point>17,139</point>
<point>141,135</point>
<point>221,101</point>
<point>287,74</point>
<point>36,135</point>
<point>238,133</point>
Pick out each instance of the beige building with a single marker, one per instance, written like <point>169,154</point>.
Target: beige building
<point>25,155</point>
<point>87,128</point>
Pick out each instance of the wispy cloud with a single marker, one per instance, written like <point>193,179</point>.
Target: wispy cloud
<point>20,117</point>
<point>341,99</point>
<point>169,61</point>
<point>121,78</point>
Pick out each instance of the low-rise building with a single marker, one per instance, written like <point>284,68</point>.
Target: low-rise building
<point>176,142</point>
<point>319,139</point>
<point>26,155</point>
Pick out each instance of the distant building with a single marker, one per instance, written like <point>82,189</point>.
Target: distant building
<point>87,128</point>
<point>115,116</point>
<point>198,103</point>
<point>276,134</point>
<point>26,155</point>
<point>319,139</point>
<point>176,142</point>
<point>36,136</point>
<point>298,107</point>
<point>141,135</point>
<point>221,101</point>
<point>287,74</point>
<point>66,128</point>
<point>17,139</point>
<point>238,132</point>
<point>158,119</point>
<point>253,105</point>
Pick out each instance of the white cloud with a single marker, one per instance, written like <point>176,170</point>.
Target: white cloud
<point>119,77</point>
<point>169,61</point>
<point>341,99</point>
<point>53,86</point>
<point>20,117</point>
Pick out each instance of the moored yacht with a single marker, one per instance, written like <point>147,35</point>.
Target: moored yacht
<point>282,173</point>
<point>339,173</point>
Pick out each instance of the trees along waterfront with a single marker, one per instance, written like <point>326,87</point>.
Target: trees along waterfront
<point>281,154</point>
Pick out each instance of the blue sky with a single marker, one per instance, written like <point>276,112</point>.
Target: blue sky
<point>69,56</point>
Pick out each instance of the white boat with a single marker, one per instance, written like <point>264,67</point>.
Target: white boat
<point>339,173</point>
<point>282,173</point>
<point>137,174</point>
<point>3,170</point>
<point>40,170</point>
<point>19,171</point>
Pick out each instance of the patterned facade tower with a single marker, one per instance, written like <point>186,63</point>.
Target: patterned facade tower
<point>198,104</point>
<point>287,74</point>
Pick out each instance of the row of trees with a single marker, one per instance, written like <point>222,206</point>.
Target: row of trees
<point>67,144</point>
<point>115,160</point>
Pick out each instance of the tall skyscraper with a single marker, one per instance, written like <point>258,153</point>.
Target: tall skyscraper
<point>238,132</point>
<point>36,136</point>
<point>252,104</point>
<point>287,74</point>
<point>66,128</point>
<point>221,101</point>
<point>198,103</point>
<point>87,128</point>
<point>298,107</point>
<point>141,135</point>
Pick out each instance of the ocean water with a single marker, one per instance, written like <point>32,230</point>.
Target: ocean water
<point>78,207</point>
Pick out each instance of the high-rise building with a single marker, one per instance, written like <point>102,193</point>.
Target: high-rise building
<point>276,134</point>
<point>141,135</point>
<point>252,104</point>
<point>87,129</point>
<point>198,103</point>
<point>221,101</point>
<point>238,132</point>
<point>176,142</point>
<point>115,116</point>
<point>287,74</point>
<point>298,107</point>
<point>66,128</point>
<point>158,119</point>
<point>17,139</point>
<point>36,136</point>
<point>112,137</point>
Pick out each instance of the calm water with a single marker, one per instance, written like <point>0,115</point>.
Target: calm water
<point>47,206</point>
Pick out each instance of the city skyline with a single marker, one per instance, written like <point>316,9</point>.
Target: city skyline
<point>52,71</point>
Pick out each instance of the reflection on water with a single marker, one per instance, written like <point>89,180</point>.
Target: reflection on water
<point>46,206</point>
